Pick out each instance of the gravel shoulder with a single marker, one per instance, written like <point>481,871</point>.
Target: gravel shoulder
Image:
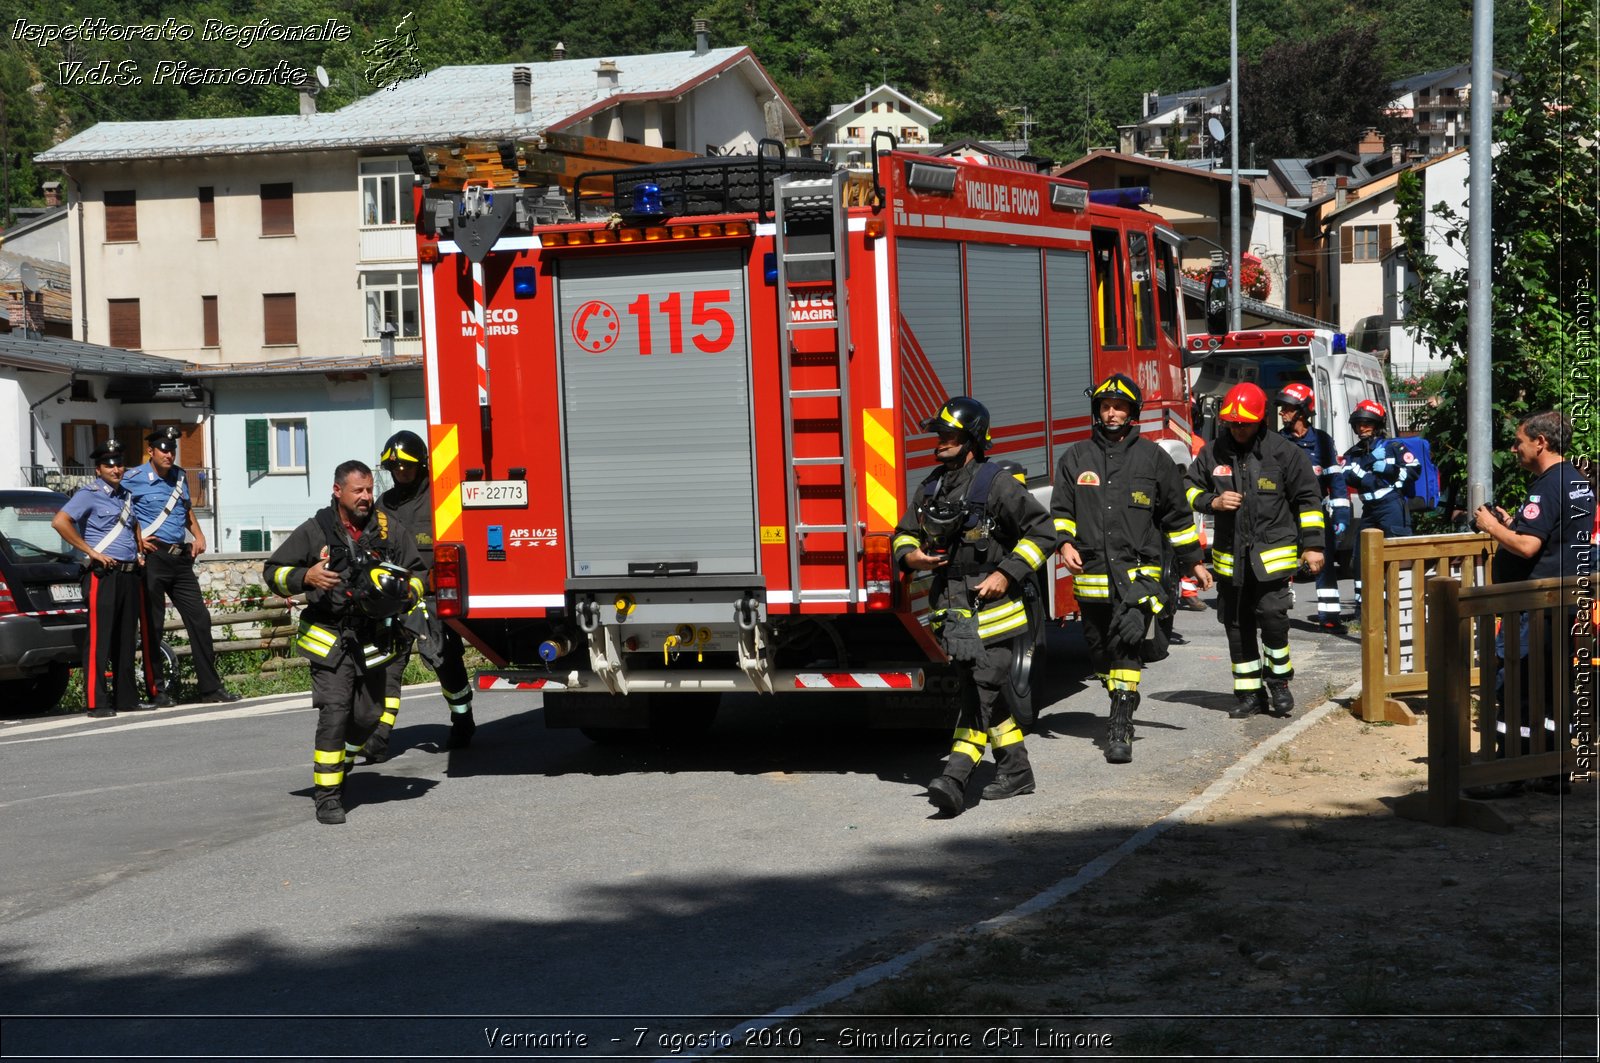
<point>1294,916</point>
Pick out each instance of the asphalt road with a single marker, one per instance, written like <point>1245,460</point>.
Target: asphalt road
<point>164,888</point>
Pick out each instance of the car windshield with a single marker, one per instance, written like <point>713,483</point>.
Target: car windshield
<point>25,532</point>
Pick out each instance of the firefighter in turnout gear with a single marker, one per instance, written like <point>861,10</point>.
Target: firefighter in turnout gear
<point>1377,469</point>
<point>983,536</point>
<point>360,575</point>
<point>410,503</point>
<point>1118,502</point>
<point>1297,405</point>
<point>1265,498</point>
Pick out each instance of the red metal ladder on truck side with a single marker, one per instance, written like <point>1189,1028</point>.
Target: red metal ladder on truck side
<point>795,199</point>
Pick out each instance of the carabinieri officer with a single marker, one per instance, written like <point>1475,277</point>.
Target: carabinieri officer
<point>98,519</point>
<point>161,503</point>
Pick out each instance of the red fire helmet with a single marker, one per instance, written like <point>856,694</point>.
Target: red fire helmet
<point>1243,404</point>
<point>1300,396</point>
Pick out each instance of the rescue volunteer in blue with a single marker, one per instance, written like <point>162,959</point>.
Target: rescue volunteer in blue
<point>359,573</point>
<point>1549,537</point>
<point>167,523</point>
<point>1269,522</point>
<point>983,536</point>
<point>1297,405</point>
<point>98,519</point>
<point>1378,469</point>
<point>1118,503</point>
<point>410,502</point>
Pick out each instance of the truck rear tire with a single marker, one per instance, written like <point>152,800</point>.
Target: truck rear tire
<point>37,693</point>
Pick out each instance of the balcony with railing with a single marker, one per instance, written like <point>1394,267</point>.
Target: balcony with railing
<point>68,479</point>
<point>388,243</point>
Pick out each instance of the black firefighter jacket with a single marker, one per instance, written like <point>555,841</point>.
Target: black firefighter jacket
<point>330,613</point>
<point>1282,503</point>
<point>1116,503</point>
<point>1012,534</point>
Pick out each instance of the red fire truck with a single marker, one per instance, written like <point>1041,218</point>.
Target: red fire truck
<point>673,424</point>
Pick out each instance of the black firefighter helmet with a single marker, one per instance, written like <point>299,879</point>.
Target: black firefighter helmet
<point>385,590</point>
<point>1116,386</point>
<point>404,448</point>
<point>967,414</point>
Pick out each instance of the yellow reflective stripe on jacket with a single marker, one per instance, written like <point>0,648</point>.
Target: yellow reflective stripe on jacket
<point>1280,558</point>
<point>1002,619</point>
<point>372,656</point>
<point>1067,525</point>
<point>906,542</point>
<point>280,579</point>
<point>1193,493</point>
<point>1029,551</point>
<point>1222,562</point>
<point>315,639</point>
<point>1089,585</point>
<point>1153,571</point>
<point>1312,518</point>
<point>1184,536</point>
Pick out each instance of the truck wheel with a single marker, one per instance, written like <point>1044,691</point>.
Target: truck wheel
<point>37,693</point>
<point>1018,690</point>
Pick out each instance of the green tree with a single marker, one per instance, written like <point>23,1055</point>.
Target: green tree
<point>1543,338</point>
<point>1308,97</point>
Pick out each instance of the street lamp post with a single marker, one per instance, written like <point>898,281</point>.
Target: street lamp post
<point>1236,291</point>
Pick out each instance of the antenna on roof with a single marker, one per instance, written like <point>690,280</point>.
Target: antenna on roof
<point>31,279</point>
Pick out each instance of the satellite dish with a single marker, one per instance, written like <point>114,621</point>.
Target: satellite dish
<point>31,279</point>
<point>1218,133</point>
<point>322,77</point>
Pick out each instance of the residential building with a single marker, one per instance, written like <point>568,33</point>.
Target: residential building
<point>1446,180</point>
<point>1434,105</point>
<point>845,135</point>
<point>270,256</point>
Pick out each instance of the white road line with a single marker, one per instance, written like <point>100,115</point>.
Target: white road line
<point>1055,894</point>
<point>147,783</point>
<point>296,702</point>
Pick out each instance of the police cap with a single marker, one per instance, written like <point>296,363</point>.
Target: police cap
<point>106,451</point>
<point>165,437</point>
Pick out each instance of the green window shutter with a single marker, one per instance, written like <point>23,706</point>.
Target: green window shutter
<point>255,447</point>
<point>252,540</point>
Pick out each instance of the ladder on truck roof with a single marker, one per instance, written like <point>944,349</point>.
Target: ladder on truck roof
<point>800,200</point>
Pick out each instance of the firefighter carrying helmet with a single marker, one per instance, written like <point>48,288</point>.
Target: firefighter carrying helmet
<point>386,590</point>
<point>1116,386</point>
<point>1371,412</point>
<point>1298,396</point>
<point>404,448</point>
<point>967,414</point>
<point>1243,404</point>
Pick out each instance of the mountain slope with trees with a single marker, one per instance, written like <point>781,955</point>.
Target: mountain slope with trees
<point>1074,68</point>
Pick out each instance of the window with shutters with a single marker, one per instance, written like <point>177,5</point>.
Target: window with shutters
<point>208,318</point>
<point>288,452</point>
<point>256,461</point>
<point>278,318</point>
<point>122,217</point>
<point>277,209</point>
<point>208,213</point>
<point>254,540</point>
<point>1363,243</point>
<point>123,323</point>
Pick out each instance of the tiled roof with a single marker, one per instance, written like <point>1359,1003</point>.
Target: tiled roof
<point>54,355</point>
<point>448,104</point>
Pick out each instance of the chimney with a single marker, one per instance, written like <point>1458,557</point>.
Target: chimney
<point>607,76</point>
<point>308,101</point>
<point>52,193</point>
<point>558,53</point>
<point>1397,154</point>
<point>522,89</point>
<point>26,310</point>
<point>702,36</point>
<point>1341,192</point>
<point>1371,142</point>
<point>1319,187</point>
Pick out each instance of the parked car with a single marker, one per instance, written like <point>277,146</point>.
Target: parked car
<point>43,618</point>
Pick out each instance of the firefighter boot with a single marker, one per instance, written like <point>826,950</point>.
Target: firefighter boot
<point>376,751</point>
<point>947,794</point>
<point>1119,733</point>
<point>1250,703</point>
<point>330,809</point>
<point>462,726</point>
<point>1279,697</point>
<point>1014,784</point>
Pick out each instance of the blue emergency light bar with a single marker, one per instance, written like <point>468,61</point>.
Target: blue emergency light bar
<point>1136,196</point>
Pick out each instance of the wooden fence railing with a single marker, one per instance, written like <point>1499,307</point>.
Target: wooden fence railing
<point>275,628</point>
<point>1394,661</point>
<point>1555,676</point>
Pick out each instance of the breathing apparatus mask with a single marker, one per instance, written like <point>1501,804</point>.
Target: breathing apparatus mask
<point>940,522</point>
